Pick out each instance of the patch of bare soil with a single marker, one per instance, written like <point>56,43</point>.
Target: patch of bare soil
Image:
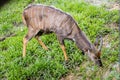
<point>109,71</point>
<point>16,24</point>
<point>110,5</point>
<point>70,76</point>
<point>77,75</point>
<point>106,42</point>
<point>6,36</point>
<point>115,6</point>
<point>112,26</point>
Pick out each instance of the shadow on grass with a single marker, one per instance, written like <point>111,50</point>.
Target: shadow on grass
<point>2,2</point>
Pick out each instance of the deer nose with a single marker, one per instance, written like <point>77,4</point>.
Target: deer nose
<point>99,63</point>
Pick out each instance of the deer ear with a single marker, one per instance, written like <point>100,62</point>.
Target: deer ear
<point>96,42</point>
<point>99,42</point>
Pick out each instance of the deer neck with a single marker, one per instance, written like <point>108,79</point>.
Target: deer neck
<point>82,42</point>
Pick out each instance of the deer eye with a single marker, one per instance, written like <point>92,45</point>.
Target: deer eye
<point>95,57</point>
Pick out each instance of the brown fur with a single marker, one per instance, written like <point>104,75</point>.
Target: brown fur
<point>45,19</point>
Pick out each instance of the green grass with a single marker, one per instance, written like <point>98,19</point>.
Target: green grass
<point>49,65</point>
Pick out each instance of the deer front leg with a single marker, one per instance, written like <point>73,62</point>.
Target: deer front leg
<point>41,43</point>
<point>61,40</point>
<point>64,51</point>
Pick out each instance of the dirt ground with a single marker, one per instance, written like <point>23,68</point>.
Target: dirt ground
<point>109,4</point>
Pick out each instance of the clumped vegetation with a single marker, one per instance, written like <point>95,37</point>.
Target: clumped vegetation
<point>49,65</point>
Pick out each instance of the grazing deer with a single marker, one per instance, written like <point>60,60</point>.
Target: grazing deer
<point>42,19</point>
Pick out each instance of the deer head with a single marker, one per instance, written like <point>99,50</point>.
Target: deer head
<point>95,52</point>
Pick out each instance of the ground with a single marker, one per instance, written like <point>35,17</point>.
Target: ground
<point>94,17</point>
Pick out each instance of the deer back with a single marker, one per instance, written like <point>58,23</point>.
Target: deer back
<point>49,19</point>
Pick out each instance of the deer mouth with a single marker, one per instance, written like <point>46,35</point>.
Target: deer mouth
<point>99,63</point>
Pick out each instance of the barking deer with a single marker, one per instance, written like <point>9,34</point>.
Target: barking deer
<point>43,19</point>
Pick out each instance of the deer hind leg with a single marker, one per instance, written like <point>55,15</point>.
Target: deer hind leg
<point>31,33</point>
<point>41,43</point>
<point>63,47</point>
<point>24,46</point>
